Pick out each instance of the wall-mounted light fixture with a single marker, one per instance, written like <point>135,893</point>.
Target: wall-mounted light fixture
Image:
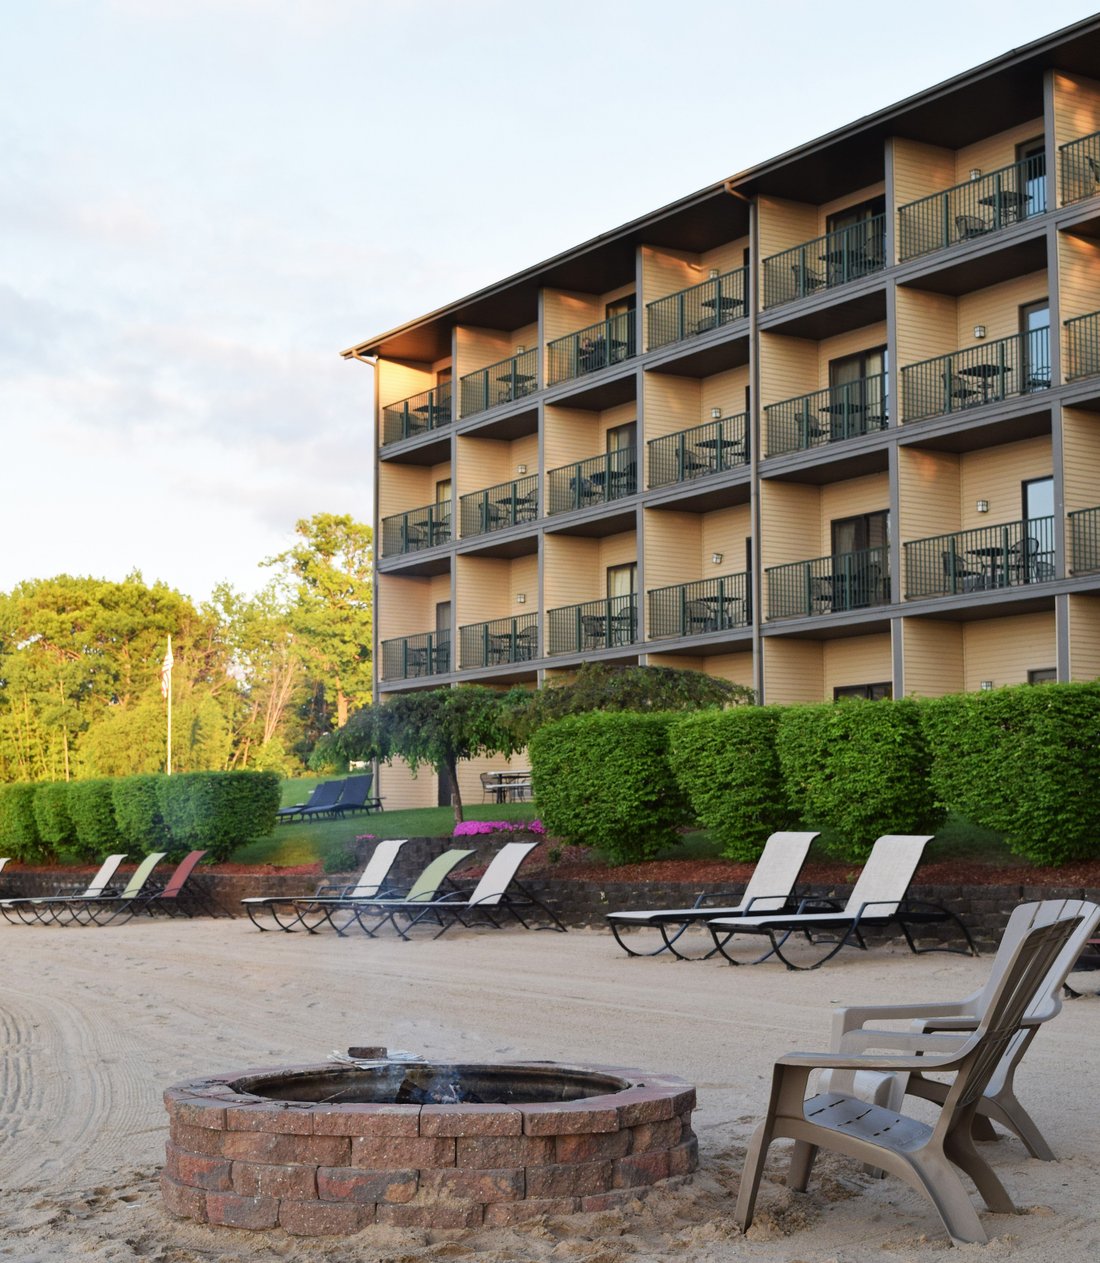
<point>521,598</point>
<point>716,413</point>
<point>521,469</point>
<point>983,506</point>
<point>975,173</point>
<point>979,331</point>
<point>520,349</point>
<point>986,685</point>
<point>716,558</point>
<point>713,274</point>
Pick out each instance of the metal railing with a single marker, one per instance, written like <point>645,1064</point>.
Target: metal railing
<point>1084,541</point>
<point>497,507</point>
<point>417,415</point>
<point>411,656</point>
<point>503,382</point>
<point>1001,556</point>
<point>1080,164</point>
<point>1083,346</point>
<point>825,262</point>
<point>418,528</point>
<point>979,375</point>
<point>827,416</point>
<point>692,609</point>
<point>607,342</point>
<point>593,481</point>
<point>499,641</point>
<point>697,309</point>
<point>827,585</point>
<point>594,625</point>
<point>973,209</point>
<point>704,449</point>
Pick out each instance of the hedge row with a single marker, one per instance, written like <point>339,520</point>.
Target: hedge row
<point>78,820</point>
<point>1022,761</point>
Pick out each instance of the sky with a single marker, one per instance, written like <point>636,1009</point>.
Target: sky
<point>202,202</point>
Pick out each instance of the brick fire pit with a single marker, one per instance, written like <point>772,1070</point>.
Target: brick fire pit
<point>331,1149</point>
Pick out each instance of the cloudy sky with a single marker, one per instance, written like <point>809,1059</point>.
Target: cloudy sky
<point>203,201</point>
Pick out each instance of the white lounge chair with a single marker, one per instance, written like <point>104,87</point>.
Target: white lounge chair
<point>28,908</point>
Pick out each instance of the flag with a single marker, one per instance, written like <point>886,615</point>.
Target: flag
<point>166,671</point>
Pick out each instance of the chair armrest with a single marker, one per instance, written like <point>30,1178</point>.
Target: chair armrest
<point>911,1041</point>
<point>853,1061</point>
<point>719,896</point>
<point>856,1015</point>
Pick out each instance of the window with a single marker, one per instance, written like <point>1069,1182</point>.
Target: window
<point>1034,154</point>
<point>622,580</point>
<point>858,214</point>
<point>870,692</point>
<point>866,530</point>
<point>1038,498</point>
<point>1035,345</point>
<point>623,437</point>
<point>620,332</point>
<point>443,491</point>
<point>861,246</point>
<point>858,387</point>
<point>1043,675</point>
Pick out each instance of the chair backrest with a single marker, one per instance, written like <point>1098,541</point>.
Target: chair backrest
<point>102,879</point>
<point>325,794</point>
<point>3,861</point>
<point>887,873</point>
<point>427,885</point>
<point>500,873</point>
<point>141,874</point>
<point>355,790</point>
<point>776,871</point>
<point>380,862</point>
<point>184,869</point>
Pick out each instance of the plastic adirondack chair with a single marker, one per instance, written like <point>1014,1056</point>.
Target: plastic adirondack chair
<point>102,909</point>
<point>321,798</point>
<point>924,1156</point>
<point>26,908</point>
<point>878,899</point>
<point>769,890</point>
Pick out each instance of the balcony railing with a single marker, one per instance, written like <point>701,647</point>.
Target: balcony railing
<point>417,529</point>
<point>704,449</point>
<point>497,507</point>
<point>827,416</point>
<point>607,342</point>
<point>411,656</point>
<point>835,259</point>
<point>503,382</point>
<point>973,209</point>
<point>593,481</point>
<point>979,375</point>
<point>827,585</point>
<point>417,414</point>
<point>594,625</point>
<point>1080,161</point>
<point>1083,346</point>
<point>1002,556</point>
<point>500,641</point>
<point>698,309</point>
<point>692,609</point>
<point>1084,541</point>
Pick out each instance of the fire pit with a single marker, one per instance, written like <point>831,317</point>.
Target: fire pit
<point>332,1148</point>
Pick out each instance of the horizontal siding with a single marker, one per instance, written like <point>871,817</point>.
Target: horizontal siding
<point>725,391</point>
<point>998,307</point>
<point>856,660</point>
<point>788,367</point>
<point>565,312</point>
<point>781,225</point>
<point>929,493</point>
<point>1081,459</point>
<point>572,571</point>
<point>616,550</point>
<point>996,475</point>
<point>992,152</point>
<point>1004,650</point>
<point>854,198</point>
<point>403,791</point>
<point>667,272</point>
<point>790,520</point>
<point>1078,276</point>
<point>570,434</point>
<point>927,326</point>
<point>482,590</point>
<point>671,404</point>
<point>672,548</point>
<point>724,531</point>
<point>480,463</point>
<point>735,667</point>
<point>793,671</point>
<point>402,381</point>
<point>621,414</point>
<point>933,656</point>
<point>1076,107</point>
<point>406,606</point>
<point>475,348</point>
<point>870,494</point>
<point>726,257</point>
<point>849,343</point>
<point>403,487</point>
<point>920,170</point>
<point>1084,637</point>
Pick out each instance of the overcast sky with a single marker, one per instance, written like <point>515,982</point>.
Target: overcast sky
<point>203,201</point>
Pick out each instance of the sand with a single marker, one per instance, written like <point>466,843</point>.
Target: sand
<point>96,1022</point>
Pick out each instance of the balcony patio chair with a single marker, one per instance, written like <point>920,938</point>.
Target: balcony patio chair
<point>927,1157</point>
<point>967,227</point>
<point>769,889</point>
<point>371,882</point>
<point>807,280</point>
<point>958,576</point>
<point>879,899</point>
<point>24,908</point>
<point>593,631</point>
<point>699,617</point>
<point>320,796</point>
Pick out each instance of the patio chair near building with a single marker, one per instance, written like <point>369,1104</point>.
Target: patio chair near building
<point>321,797</point>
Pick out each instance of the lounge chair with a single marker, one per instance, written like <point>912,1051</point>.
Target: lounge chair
<point>496,891</point>
<point>878,899</point>
<point>100,909</point>
<point>769,890</point>
<point>370,883</point>
<point>355,795</point>
<point>321,797</point>
<point>174,898</point>
<point>24,907</point>
<point>924,1156</point>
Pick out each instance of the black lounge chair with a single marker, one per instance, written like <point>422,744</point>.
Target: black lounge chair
<point>322,797</point>
<point>355,796</point>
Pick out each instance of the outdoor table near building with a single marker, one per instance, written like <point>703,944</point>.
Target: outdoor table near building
<point>514,784</point>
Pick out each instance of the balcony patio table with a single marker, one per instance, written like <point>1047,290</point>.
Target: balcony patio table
<point>985,373</point>
<point>515,386</point>
<point>721,445</point>
<point>991,559</point>
<point>526,507</point>
<point>853,411</point>
<point>722,610</point>
<point>1011,203</point>
<point>724,304</point>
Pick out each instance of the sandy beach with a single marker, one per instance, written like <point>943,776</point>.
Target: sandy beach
<point>97,1022</point>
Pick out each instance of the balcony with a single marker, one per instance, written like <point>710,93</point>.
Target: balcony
<point>594,481</point>
<point>986,373</point>
<point>829,585</point>
<point>698,309</point>
<point>827,416</point>
<point>417,414</point>
<point>1083,346</point>
<point>1080,162</point>
<point>1002,556</point>
<point>1084,541</point>
<point>704,449</point>
<point>503,382</point>
<point>500,641</point>
<point>417,529</point>
<point>607,342</point>
<point>974,209</point>
<point>835,259</point>
<point>693,609</point>
<point>602,624</point>
<point>411,657</point>
<point>497,507</point>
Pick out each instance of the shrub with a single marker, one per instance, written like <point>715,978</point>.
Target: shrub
<point>726,764</point>
<point>18,828</point>
<point>141,826</point>
<point>1023,761</point>
<point>218,811</point>
<point>52,815</point>
<point>856,770</point>
<point>604,780</point>
<point>94,830</point>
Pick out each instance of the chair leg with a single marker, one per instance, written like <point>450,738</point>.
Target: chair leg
<point>940,1183</point>
<point>959,1147</point>
<point>751,1174</point>
<point>802,1163</point>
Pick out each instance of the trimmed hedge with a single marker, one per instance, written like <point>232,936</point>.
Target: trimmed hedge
<point>93,815</point>
<point>52,815</point>
<point>19,834</point>
<point>857,769</point>
<point>1024,761</point>
<point>141,826</point>
<point>603,779</point>
<point>727,765</point>
<point>218,811</point>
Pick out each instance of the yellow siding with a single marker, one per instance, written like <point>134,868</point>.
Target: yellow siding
<point>672,548</point>
<point>572,571</point>
<point>994,152</point>
<point>784,224</point>
<point>788,367</point>
<point>791,521</point>
<point>406,606</point>
<point>621,414</point>
<point>933,656</point>
<point>793,671</point>
<point>857,660</point>
<point>842,203</point>
<point>671,404</point>
<point>667,272</point>
<point>927,325</point>
<point>615,550</point>
<point>998,307</point>
<point>735,667</point>
<point>929,492</point>
<point>398,381</point>
<point>1081,460</point>
<point>995,475</point>
<point>565,312</point>
<point>920,170</point>
<point>403,791</point>
<point>1005,649</point>
<point>569,434</point>
<point>403,487</point>
<point>482,590</point>
<point>480,463</point>
<point>725,391</point>
<point>870,494</point>
<point>850,343</point>
<point>726,258</point>
<point>1084,637</point>
<point>1079,276</point>
<point>1076,107</point>
<point>725,532</point>
<point>475,348</point>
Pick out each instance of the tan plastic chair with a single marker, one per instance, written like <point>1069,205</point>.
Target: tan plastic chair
<point>925,1157</point>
